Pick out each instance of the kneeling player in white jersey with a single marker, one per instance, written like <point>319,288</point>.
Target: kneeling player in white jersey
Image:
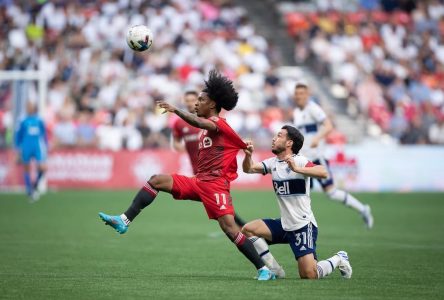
<point>314,124</point>
<point>297,226</point>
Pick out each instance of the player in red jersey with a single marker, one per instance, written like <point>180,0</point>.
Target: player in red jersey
<point>182,131</point>
<point>216,168</point>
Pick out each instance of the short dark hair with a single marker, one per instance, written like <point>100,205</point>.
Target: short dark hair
<point>220,89</point>
<point>301,85</point>
<point>296,136</point>
<point>191,92</point>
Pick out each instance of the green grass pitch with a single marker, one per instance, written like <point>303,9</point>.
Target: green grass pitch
<point>58,248</point>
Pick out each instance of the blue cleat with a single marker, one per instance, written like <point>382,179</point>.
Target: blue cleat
<point>115,222</point>
<point>265,274</point>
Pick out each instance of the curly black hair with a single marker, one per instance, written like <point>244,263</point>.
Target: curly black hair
<point>220,89</point>
<point>296,136</point>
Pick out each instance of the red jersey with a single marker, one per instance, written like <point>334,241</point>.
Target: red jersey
<point>217,152</point>
<point>190,135</point>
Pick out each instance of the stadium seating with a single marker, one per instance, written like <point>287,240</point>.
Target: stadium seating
<point>99,88</point>
<point>385,59</point>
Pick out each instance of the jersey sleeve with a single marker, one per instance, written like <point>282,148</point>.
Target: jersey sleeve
<point>309,164</point>
<point>302,161</point>
<point>19,134</point>
<point>318,113</point>
<point>231,135</point>
<point>267,165</point>
<point>175,130</point>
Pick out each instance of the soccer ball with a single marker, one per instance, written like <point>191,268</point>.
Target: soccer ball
<point>139,38</point>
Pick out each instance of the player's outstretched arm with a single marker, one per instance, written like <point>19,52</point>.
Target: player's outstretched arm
<point>310,170</point>
<point>248,165</point>
<point>188,117</point>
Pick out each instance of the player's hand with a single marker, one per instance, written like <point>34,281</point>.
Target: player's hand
<point>167,107</point>
<point>250,148</point>
<point>291,164</point>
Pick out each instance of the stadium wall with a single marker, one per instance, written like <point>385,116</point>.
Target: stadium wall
<point>356,168</point>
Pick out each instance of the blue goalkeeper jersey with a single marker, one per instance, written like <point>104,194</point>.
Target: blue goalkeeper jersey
<point>31,139</point>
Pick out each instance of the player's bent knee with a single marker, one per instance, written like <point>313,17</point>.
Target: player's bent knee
<point>158,181</point>
<point>154,180</point>
<point>248,229</point>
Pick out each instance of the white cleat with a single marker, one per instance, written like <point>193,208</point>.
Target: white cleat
<point>42,186</point>
<point>368,217</point>
<point>35,196</point>
<point>344,265</point>
<point>280,273</point>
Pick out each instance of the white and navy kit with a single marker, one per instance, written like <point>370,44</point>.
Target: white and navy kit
<point>308,121</point>
<point>297,225</point>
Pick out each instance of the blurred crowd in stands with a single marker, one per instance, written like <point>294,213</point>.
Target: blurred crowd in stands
<point>383,58</point>
<point>388,65</point>
<point>102,94</point>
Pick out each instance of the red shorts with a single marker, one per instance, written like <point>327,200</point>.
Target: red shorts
<point>215,194</point>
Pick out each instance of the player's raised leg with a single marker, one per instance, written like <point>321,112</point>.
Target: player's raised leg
<point>349,200</point>
<point>258,232</point>
<point>344,197</point>
<point>245,246</point>
<point>143,198</point>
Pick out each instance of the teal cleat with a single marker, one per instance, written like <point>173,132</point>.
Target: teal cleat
<point>265,274</point>
<point>115,222</point>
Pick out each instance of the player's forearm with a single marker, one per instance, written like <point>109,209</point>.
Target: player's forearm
<point>325,129</point>
<point>315,172</point>
<point>247,164</point>
<point>178,146</point>
<point>191,119</point>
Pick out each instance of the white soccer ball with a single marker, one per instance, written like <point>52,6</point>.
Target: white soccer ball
<point>139,38</point>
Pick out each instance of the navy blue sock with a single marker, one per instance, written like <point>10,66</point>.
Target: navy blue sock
<point>143,198</point>
<point>39,176</point>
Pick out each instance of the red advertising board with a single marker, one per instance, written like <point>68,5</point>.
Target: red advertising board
<point>114,170</point>
<point>355,168</point>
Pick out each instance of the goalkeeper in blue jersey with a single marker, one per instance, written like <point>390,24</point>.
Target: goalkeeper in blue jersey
<point>32,143</point>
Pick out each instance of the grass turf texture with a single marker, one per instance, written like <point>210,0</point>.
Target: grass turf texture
<point>58,248</point>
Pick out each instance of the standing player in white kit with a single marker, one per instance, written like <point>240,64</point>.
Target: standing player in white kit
<point>314,124</point>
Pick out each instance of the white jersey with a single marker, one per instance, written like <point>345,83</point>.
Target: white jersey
<point>293,192</point>
<point>308,121</point>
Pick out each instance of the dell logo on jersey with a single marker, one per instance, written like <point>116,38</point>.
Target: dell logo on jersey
<point>296,186</point>
<point>283,189</point>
